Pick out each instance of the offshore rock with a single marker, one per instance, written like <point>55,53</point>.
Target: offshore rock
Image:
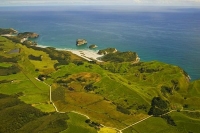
<point>80,42</point>
<point>93,46</point>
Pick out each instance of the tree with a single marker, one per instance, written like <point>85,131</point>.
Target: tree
<point>158,106</point>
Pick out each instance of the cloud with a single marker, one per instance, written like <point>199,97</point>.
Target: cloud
<point>100,2</point>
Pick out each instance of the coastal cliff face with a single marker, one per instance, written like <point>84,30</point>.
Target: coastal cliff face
<point>80,42</point>
<point>28,35</point>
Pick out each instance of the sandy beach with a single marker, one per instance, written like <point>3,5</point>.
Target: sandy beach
<point>87,54</point>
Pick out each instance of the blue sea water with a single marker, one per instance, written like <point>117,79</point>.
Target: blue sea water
<point>171,36</point>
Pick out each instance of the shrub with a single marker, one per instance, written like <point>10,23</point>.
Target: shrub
<point>123,110</point>
<point>169,120</point>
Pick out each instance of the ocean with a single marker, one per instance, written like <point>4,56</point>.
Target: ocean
<point>170,35</point>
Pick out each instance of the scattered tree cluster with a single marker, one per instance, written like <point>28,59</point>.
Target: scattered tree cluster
<point>158,107</point>
<point>123,110</point>
<point>166,90</point>
<point>9,70</point>
<point>37,58</point>
<point>63,57</point>
<point>169,120</point>
<point>142,107</point>
<point>120,57</point>
<point>7,59</point>
<point>175,84</point>
<point>5,81</point>
<point>90,87</point>
<point>93,124</point>
<point>78,63</point>
<point>149,70</point>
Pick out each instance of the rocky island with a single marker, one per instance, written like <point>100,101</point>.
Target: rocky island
<point>80,42</point>
<point>93,46</point>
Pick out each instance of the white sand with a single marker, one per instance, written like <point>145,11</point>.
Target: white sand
<point>8,35</point>
<point>87,54</point>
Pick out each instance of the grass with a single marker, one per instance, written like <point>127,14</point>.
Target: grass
<point>17,116</point>
<point>34,92</point>
<point>107,130</point>
<point>5,65</point>
<point>152,125</point>
<point>115,88</point>
<point>194,89</point>
<point>46,65</point>
<point>44,107</point>
<point>7,45</point>
<point>76,124</point>
<point>186,123</point>
<point>94,104</point>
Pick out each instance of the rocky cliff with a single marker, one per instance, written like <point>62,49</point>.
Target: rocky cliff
<point>28,35</point>
<point>7,31</point>
<point>107,51</point>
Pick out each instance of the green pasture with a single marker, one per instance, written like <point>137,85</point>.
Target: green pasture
<point>33,91</point>
<point>76,124</point>
<point>46,63</point>
<point>194,89</point>
<point>186,123</point>
<point>7,45</point>
<point>152,125</point>
<point>5,65</point>
<point>107,130</point>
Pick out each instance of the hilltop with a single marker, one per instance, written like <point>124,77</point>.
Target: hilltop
<point>70,94</point>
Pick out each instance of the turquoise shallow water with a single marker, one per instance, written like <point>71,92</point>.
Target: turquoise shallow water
<point>168,36</point>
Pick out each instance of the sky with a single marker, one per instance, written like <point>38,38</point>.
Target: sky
<point>100,2</point>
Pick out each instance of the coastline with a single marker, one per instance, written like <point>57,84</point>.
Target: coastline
<point>87,54</point>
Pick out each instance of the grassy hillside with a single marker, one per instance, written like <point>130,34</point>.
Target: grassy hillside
<point>77,124</point>
<point>113,93</point>
<point>16,116</point>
